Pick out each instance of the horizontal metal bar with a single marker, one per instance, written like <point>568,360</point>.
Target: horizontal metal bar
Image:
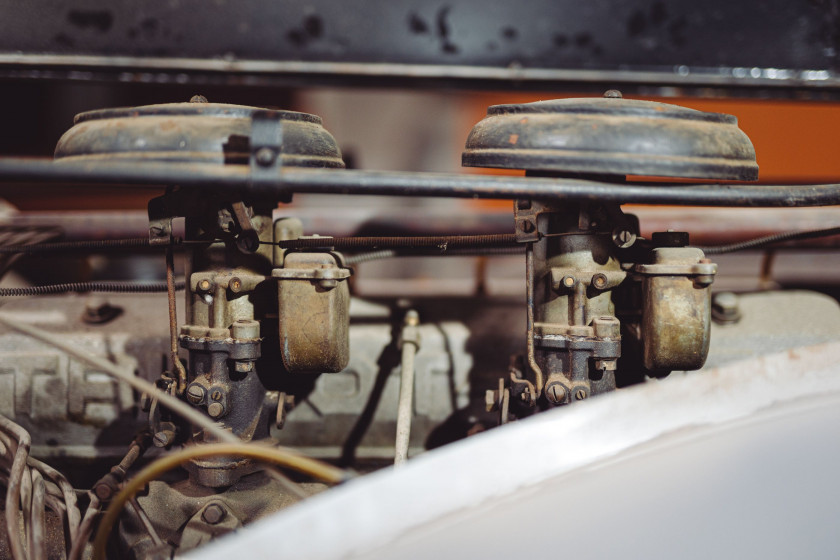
<point>321,181</point>
<point>180,70</point>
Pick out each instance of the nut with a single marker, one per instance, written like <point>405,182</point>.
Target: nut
<point>599,281</point>
<point>244,366</point>
<point>214,514</point>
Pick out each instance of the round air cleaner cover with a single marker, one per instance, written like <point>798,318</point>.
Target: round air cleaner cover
<point>612,135</point>
<point>193,132</point>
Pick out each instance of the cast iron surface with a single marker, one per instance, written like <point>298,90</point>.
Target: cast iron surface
<point>192,132</point>
<point>611,135</point>
<point>770,44</point>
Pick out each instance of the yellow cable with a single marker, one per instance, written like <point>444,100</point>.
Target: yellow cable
<point>277,455</point>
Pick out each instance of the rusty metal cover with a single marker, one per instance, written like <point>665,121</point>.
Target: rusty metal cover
<point>611,135</point>
<point>193,132</point>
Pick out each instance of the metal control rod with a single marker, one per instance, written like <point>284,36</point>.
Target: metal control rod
<point>410,344</point>
<point>295,180</point>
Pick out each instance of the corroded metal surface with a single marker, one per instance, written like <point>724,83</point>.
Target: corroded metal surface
<point>193,132</point>
<point>612,136</point>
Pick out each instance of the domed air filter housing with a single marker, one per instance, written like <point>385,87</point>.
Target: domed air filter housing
<point>612,136</point>
<point>194,132</point>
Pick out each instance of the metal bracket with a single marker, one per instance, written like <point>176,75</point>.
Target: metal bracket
<point>525,213</point>
<point>266,145</point>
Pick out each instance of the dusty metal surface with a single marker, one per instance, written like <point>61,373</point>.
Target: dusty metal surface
<point>676,309</point>
<point>313,299</point>
<point>612,136</point>
<point>193,132</point>
<point>185,516</point>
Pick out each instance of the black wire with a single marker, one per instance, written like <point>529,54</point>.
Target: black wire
<point>441,242</point>
<point>78,245</point>
<point>112,287</point>
<point>770,240</point>
<point>462,252</point>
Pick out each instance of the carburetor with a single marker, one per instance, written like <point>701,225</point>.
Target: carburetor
<point>605,306</point>
<point>256,315</point>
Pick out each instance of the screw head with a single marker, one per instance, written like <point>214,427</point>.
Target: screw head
<point>265,156</point>
<point>198,99</point>
<point>216,395</point>
<point>580,394</point>
<point>205,285</point>
<point>195,393</point>
<point>235,284</point>
<point>527,226</point>
<point>569,281</point>
<point>555,393</point>
<point>215,409</point>
<point>157,231</point>
<point>163,438</point>
<point>613,94</point>
<point>213,514</point>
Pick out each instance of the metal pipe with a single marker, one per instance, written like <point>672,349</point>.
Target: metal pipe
<point>539,381</point>
<point>410,344</point>
<point>294,180</point>
<point>173,322</point>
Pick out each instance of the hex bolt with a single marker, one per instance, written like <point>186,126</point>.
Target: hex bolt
<point>580,394</point>
<point>265,156</point>
<point>599,281</point>
<point>195,393</point>
<point>215,409</point>
<point>725,308</point>
<point>213,514</point>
